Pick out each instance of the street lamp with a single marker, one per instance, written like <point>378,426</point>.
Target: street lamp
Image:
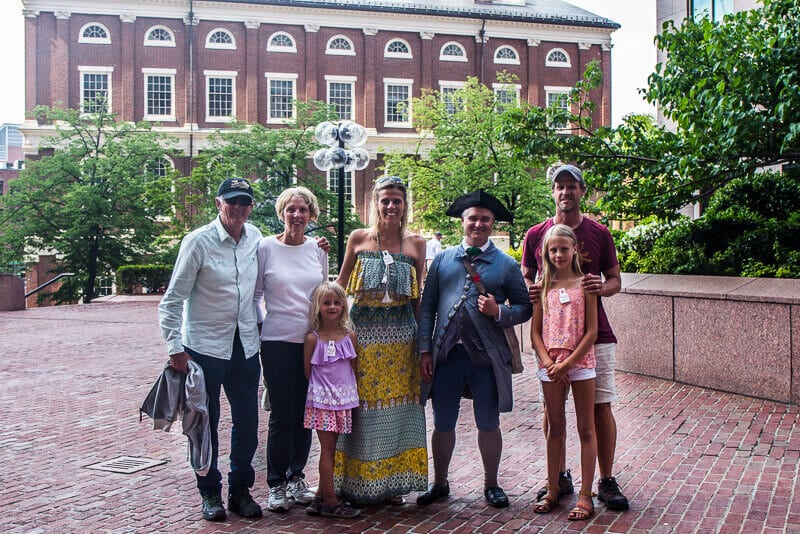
<point>337,136</point>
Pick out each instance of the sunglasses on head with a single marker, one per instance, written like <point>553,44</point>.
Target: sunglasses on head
<point>390,180</point>
<point>239,201</point>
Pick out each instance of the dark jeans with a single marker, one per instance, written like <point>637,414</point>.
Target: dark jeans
<point>288,443</point>
<point>239,377</point>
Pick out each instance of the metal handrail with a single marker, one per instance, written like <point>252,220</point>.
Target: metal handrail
<point>54,280</point>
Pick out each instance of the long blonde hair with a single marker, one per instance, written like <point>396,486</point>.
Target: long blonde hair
<point>382,183</point>
<point>548,269</point>
<point>316,303</point>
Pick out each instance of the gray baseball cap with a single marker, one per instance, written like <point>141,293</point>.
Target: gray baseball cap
<point>571,171</point>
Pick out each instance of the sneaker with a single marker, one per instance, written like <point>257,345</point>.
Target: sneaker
<point>315,506</point>
<point>213,510</point>
<point>240,502</point>
<point>565,486</point>
<point>297,489</point>
<point>278,501</point>
<point>608,491</point>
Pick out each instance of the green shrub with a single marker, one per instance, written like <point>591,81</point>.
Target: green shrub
<point>152,278</point>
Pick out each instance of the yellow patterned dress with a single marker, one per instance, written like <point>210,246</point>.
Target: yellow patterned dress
<point>385,455</point>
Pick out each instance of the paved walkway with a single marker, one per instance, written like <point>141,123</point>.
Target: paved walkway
<point>73,377</point>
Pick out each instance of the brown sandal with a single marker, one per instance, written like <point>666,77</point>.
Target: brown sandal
<point>547,503</point>
<point>582,511</point>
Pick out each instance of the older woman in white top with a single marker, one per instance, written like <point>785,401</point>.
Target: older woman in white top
<point>290,266</point>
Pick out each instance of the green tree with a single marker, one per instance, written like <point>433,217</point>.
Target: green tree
<point>95,201</point>
<point>271,158</point>
<point>467,153</point>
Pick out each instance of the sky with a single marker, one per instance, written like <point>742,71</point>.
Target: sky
<point>633,56</point>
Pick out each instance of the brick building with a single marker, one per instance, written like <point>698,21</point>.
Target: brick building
<point>191,65</point>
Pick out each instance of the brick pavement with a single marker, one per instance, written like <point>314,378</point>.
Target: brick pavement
<point>73,377</point>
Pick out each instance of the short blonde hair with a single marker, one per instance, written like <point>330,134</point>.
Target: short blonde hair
<point>316,303</point>
<point>381,184</point>
<point>302,192</point>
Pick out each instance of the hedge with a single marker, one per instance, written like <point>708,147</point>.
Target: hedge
<point>152,278</point>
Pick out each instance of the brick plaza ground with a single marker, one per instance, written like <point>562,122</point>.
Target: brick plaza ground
<point>73,378</point>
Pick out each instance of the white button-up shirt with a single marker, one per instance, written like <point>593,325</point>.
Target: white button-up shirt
<point>210,293</point>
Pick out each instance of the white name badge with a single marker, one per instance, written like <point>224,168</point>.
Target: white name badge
<point>387,258</point>
<point>563,296</point>
<point>330,350</point>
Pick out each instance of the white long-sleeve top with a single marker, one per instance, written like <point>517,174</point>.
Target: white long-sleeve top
<point>287,275</point>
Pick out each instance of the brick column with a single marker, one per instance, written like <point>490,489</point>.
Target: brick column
<point>33,60</point>
<point>59,61</point>
<point>251,72</point>
<point>605,88</point>
<point>190,88</point>
<point>534,71</point>
<point>426,59</point>
<point>369,79</point>
<point>311,61</point>
<point>124,86</point>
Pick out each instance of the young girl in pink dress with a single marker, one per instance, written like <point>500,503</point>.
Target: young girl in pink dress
<point>329,361</point>
<point>564,328</point>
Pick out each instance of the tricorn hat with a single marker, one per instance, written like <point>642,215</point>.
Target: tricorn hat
<point>481,199</point>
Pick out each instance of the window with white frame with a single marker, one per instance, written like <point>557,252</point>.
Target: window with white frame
<point>281,95</point>
<point>95,89</point>
<point>397,48</point>
<point>558,57</point>
<point>159,36</point>
<point>220,95</point>
<point>453,51</point>
<point>281,42</point>
<point>558,97</point>
<point>447,93</point>
<point>341,91</point>
<point>159,168</point>
<point>505,94</point>
<point>220,38</point>
<point>159,90</point>
<point>94,33</point>
<point>339,45</point>
<point>333,184</point>
<point>506,55</point>
<point>397,98</point>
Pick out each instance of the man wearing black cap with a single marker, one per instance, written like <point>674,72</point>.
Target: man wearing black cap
<point>207,315</point>
<point>461,340</point>
<point>598,257</point>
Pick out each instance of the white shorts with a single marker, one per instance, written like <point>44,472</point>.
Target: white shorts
<point>574,375</point>
<point>604,389</point>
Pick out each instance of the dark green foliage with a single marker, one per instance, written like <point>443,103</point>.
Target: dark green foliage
<point>153,278</point>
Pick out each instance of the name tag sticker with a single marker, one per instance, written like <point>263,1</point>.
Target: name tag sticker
<point>330,350</point>
<point>563,297</point>
<point>387,258</point>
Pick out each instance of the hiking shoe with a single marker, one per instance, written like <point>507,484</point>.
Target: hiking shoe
<point>315,506</point>
<point>297,489</point>
<point>608,491</point>
<point>341,510</point>
<point>213,510</point>
<point>240,502</point>
<point>278,501</point>
<point>565,486</point>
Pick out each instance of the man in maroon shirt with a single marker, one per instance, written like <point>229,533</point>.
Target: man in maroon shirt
<point>598,257</point>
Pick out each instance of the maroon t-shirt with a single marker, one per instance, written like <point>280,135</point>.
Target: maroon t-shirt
<point>598,254</point>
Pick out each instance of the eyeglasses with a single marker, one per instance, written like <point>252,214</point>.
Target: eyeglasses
<point>239,201</point>
<point>390,180</point>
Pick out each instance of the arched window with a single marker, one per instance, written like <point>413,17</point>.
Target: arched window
<point>558,57</point>
<point>507,55</point>
<point>159,36</point>
<point>95,33</point>
<point>159,168</point>
<point>281,42</point>
<point>341,46</point>
<point>220,38</point>
<point>453,51</point>
<point>397,48</point>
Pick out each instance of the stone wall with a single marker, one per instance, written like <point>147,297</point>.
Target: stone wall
<point>12,293</point>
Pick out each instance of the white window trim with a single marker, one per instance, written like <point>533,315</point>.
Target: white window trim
<point>337,52</point>
<point>462,59</point>
<point>342,79</point>
<point>560,90</point>
<point>158,72</point>
<point>549,63</point>
<point>220,74</point>
<point>397,55</point>
<point>149,42</point>
<point>506,61</point>
<point>287,49</point>
<point>398,81</point>
<point>497,87</point>
<point>85,69</point>
<point>281,76</point>
<point>446,84</point>
<point>352,186</point>
<point>94,40</point>
<point>221,46</point>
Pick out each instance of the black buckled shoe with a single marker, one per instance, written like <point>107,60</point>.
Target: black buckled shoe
<point>213,510</point>
<point>608,491</point>
<point>434,493</point>
<point>240,502</point>
<point>565,486</point>
<point>496,497</point>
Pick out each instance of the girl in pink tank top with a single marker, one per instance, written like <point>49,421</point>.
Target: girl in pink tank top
<point>563,331</point>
